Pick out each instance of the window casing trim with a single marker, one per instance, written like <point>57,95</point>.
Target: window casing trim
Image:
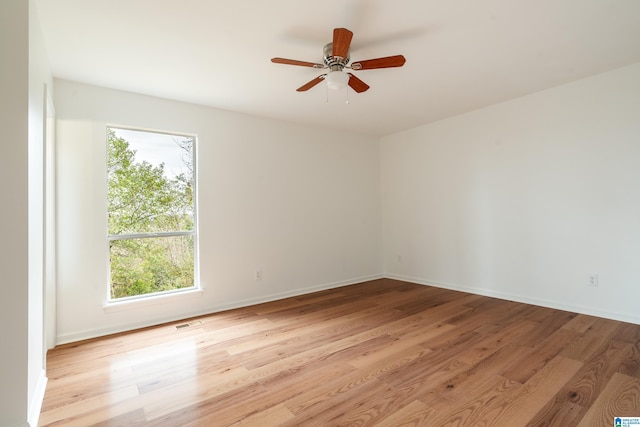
<point>113,304</point>
<point>140,301</point>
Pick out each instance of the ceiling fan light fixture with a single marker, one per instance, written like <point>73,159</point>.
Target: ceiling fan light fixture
<point>337,80</point>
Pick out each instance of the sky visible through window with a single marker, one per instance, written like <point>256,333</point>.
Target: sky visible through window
<point>156,148</point>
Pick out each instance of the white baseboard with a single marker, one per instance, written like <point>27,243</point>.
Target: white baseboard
<point>35,406</point>
<point>94,333</point>
<point>558,305</point>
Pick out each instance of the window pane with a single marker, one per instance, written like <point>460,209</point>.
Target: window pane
<point>150,182</point>
<point>149,265</point>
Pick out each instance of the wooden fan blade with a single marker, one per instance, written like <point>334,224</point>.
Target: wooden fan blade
<point>341,42</point>
<point>357,84</point>
<point>386,62</point>
<point>311,84</point>
<point>295,62</point>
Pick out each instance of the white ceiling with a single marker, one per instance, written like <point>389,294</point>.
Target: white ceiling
<point>461,54</point>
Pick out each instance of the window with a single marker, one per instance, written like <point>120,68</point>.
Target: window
<point>151,213</point>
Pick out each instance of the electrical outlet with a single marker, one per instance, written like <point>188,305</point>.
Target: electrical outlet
<point>258,275</point>
<point>592,280</point>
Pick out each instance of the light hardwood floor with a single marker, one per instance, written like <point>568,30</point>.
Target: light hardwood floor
<point>383,353</point>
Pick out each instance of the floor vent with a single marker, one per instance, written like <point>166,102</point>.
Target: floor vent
<point>186,325</point>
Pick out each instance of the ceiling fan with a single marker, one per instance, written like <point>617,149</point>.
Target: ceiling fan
<point>336,58</point>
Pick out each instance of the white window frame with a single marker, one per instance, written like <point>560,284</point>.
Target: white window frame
<point>113,237</point>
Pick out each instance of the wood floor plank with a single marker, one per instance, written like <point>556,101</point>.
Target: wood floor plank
<point>383,352</point>
<point>273,416</point>
<point>592,377</point>
<point>87,411</point>
<point>521,406</point>
<point>552,322</point>
<point>413,414</point>
<point>363,328</point>
<point>287,335</point>
<point>404,343</point>
<point>493,342</point>
<point>360,404</point>
<point>620,398</point>
<point>442,386</point>
<point>583,347</point>
<point>333,390</point>
<point>629,333</point>
<point>225,408</point>
<point>441,358</point>
<point>480,393</point>
<point>581,323</point>
<point>525,365</point>
<point>558,413</point>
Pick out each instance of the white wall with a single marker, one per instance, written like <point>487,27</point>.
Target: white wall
<point>299,203</point>
<point>523,199</point>
<point>23,74</point>
<point>40,85</point>
<point>14,74</point>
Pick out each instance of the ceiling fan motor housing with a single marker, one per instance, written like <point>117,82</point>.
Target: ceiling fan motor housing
<point>335,63</point>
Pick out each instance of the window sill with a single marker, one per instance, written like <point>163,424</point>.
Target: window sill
<point>137,303</point>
